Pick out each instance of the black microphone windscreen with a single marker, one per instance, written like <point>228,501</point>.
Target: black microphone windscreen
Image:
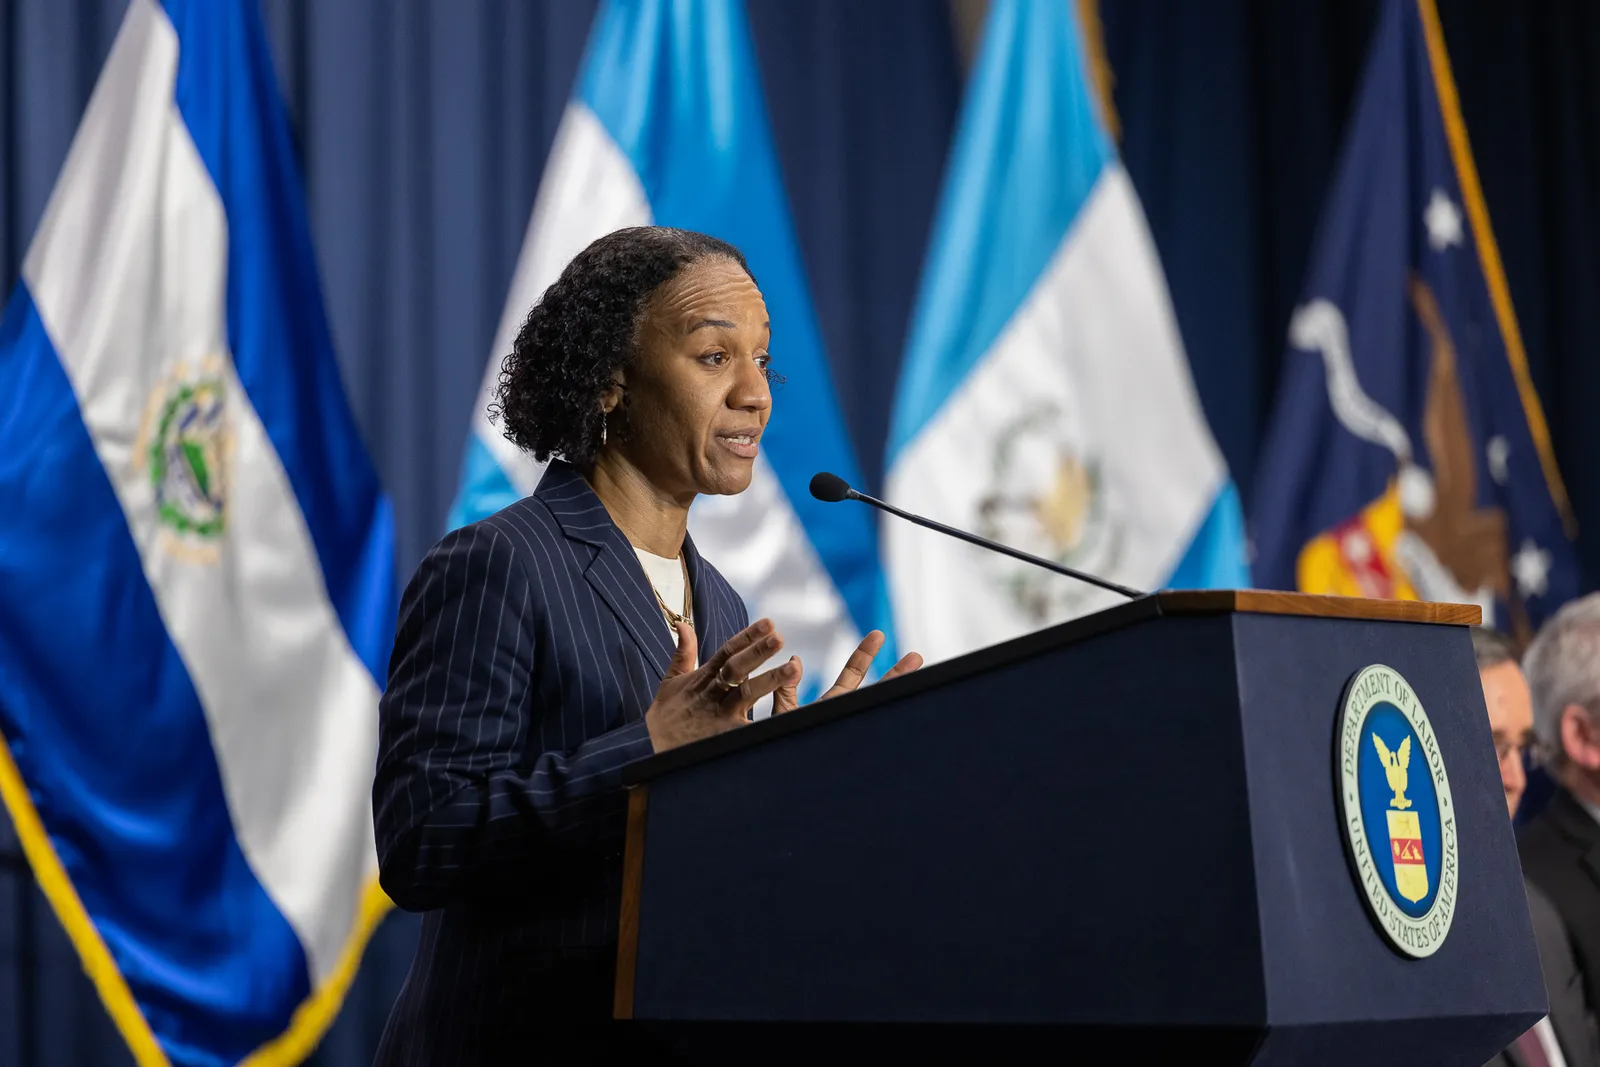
<point>829,487</point>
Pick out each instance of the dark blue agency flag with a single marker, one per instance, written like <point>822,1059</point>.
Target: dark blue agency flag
<point>1408,456</point>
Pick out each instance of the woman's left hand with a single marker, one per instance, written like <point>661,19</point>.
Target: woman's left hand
<point>787,697</point>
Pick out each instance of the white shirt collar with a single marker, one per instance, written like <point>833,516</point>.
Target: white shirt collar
<point>1546,1035</point>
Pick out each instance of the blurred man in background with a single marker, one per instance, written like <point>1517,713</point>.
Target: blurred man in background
<point>1561,847</point>
<point>1505,691</point>
<point>1566,1035</point>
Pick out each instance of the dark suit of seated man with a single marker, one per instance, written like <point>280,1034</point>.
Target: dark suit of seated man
<point>1561,846</point>
<point>1566,1037</point>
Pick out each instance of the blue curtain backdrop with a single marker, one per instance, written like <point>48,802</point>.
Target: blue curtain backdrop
<point>423,127</point>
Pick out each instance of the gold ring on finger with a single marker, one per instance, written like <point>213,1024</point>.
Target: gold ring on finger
<point>727,685</point>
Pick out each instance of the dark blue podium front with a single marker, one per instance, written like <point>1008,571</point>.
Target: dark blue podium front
<point>1117,837</point>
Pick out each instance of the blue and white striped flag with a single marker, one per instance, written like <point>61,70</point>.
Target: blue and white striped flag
<point>668,126</point>
<point>196,580</point>
<point>1045,399</point>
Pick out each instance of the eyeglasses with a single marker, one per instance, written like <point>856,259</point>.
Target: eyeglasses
<point>1531,753</point>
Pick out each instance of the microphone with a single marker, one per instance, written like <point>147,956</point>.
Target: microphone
<point>831,488</point>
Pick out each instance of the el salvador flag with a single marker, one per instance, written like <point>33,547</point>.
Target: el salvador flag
<point>1045,399</point>
<point>668,127</point>
<point>196,587</point>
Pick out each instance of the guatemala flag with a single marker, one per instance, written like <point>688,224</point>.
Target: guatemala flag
<point>668,127</point>
<point>1045,399</point>
<point>1408,456</point>
<point>196,584</point>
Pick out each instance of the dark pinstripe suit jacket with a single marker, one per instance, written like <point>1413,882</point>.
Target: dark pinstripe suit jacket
<point>528,648</point>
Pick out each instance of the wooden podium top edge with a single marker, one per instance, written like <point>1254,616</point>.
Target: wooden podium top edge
<point>1274,602</point>
<point>1145,608</point>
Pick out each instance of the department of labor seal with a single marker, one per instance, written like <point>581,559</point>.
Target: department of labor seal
<point>1399,820</point>
<point>186,450</point>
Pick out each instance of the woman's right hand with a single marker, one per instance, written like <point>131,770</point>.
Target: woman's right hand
<point>696,702</point>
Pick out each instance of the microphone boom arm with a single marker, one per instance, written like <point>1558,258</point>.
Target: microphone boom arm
<point>995,546</point>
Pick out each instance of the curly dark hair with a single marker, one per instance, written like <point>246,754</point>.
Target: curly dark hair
<point>585,327</point>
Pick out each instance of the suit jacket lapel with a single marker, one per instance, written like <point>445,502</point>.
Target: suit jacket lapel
<point>1579,827</point>
<point>614,571</point>
<point>713,624</point>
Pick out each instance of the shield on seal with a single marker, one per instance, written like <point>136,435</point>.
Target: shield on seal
<point>1405,846</point>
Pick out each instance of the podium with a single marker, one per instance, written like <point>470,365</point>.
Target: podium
<point>1124,837</point>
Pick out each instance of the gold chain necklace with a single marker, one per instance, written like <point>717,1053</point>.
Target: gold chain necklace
<point>673,618</point>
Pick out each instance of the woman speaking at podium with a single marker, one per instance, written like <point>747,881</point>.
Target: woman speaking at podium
<point>541,650</point>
